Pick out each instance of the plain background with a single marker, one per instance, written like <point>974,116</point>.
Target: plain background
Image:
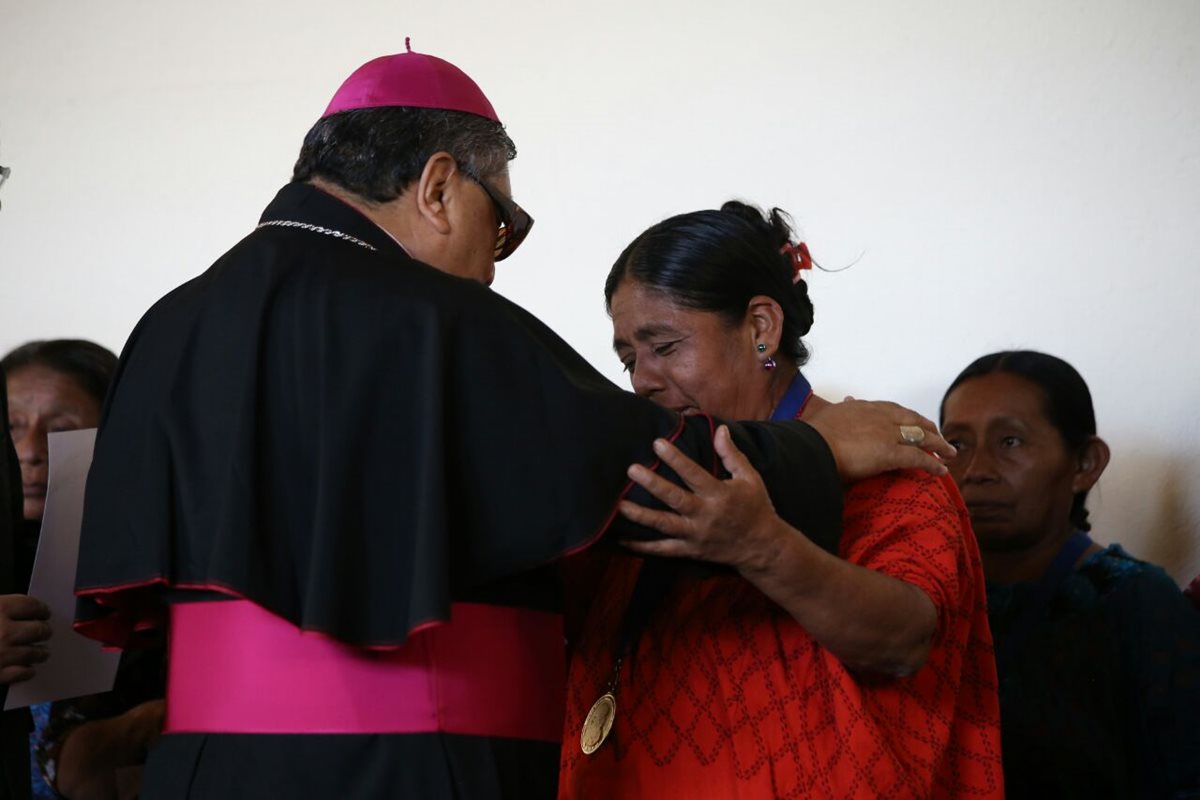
<point>1002,174</point>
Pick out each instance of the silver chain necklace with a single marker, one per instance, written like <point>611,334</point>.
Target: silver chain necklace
<point>288,223</point>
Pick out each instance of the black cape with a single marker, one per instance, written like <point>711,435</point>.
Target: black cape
<point>353,440</point>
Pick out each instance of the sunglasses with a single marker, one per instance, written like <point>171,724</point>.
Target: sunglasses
<point>514,222</point>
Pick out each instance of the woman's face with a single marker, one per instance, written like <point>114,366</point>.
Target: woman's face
<point>42,401</point>
<point>1013,467</point>
<point>687,360</point>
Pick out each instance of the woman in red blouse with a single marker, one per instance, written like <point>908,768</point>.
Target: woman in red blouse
<point>732,657</point>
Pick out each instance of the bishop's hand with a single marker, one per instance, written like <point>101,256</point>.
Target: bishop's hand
<point>866,438</point>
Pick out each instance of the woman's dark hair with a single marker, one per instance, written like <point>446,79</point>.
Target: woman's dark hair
<point>87,363</point>
<point>377,152</point>
<point>1068,403</point>
<point>717,261</point>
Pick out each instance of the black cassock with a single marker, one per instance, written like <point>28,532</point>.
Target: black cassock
<point>325,429</point>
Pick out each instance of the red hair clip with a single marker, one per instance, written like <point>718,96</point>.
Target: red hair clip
<point>801,260</point>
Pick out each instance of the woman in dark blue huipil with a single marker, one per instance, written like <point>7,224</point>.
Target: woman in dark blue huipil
<point>1098,652</point>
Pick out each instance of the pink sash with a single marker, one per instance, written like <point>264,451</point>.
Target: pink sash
<point>490,671</point>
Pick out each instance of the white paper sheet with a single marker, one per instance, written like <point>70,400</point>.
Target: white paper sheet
<point>77,665</point>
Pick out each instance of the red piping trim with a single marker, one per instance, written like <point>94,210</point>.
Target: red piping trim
<point>674,437</point>
<point>145,622</point>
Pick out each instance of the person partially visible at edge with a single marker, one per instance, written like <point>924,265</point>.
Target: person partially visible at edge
<point>23,627</point>
<point>338,441</point>
<point>51,386</point>
<point>80,744</point>
<point>792,671</point>
<point>1098,652</point>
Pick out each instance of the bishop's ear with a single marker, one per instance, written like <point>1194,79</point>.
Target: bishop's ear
<point>435,183</point>
<point>1092,460</point>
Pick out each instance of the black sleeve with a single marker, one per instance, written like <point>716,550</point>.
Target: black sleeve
<point>796,465</point>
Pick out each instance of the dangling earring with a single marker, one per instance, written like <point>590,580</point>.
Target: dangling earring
<point>769,364</point>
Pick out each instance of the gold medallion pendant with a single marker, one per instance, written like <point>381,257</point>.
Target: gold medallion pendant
<point>598,723</point>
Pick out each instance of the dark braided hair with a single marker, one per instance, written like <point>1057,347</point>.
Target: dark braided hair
<point>716,261</point>
<point>1067,401</point>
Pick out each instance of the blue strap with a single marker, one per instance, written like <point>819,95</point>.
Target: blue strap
<point>793,400</point>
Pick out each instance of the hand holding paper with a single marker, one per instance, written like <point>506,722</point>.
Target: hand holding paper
<point>76,665</point>
<point>23,635</point>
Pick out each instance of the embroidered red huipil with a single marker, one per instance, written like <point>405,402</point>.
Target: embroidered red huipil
<point>727,696</point>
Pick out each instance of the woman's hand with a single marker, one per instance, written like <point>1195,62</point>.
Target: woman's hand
<point>869,620</point>
<point>92,755</point>
<point>23,633</point>
<point>865,439</point>
<point>723,521</point>
<point>146,721</point>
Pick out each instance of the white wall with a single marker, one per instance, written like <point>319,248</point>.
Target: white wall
<point>1020,173</point>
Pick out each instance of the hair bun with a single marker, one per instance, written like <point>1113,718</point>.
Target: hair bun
<point>776,226</point>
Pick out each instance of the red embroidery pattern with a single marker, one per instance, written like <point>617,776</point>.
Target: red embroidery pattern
<point>727,696</point>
